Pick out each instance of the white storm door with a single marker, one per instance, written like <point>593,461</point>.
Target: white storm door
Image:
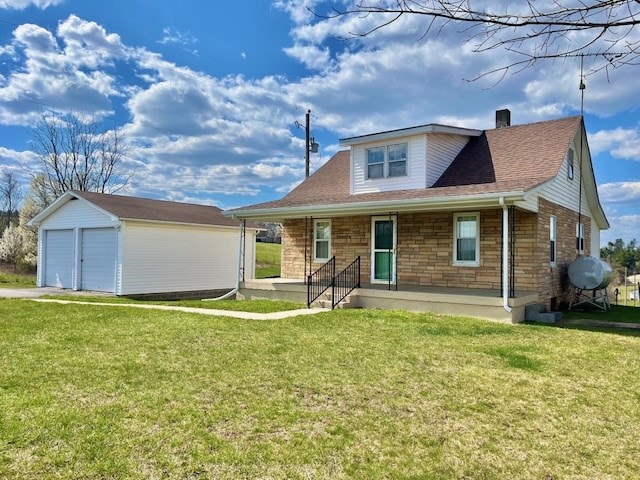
<point>99,246</point>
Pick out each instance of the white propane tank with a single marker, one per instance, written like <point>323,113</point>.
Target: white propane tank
<point>589,273</point>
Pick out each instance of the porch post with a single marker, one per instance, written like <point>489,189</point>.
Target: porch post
<point>306,229</point>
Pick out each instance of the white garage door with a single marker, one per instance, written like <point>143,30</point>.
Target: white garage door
<point>98,259</point>
<point>58,258</point>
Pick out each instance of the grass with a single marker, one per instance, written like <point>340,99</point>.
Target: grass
<point>17,280</point>
<point>256,305</point>
<point>88,392</point>
<point>618,313</point>
<point>267,260</point>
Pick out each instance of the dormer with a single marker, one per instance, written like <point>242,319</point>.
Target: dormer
<point>409,158</point>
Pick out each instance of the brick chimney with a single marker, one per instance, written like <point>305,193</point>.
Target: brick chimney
<point>503,118</point>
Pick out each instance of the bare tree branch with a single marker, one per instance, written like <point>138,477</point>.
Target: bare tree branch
<point>77,155</point>
<point>604,30</point>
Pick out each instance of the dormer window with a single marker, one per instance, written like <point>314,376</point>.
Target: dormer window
<point>570,164</point>
<point>387,161</point>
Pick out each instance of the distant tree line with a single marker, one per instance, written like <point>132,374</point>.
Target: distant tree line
<point>623,258</point>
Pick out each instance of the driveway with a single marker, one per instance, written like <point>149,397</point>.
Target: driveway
<point>33,292</point>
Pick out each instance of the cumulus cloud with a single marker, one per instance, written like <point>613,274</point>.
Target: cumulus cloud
<point>618,192</point>
<point>22,4</point>
<point>620,143</point>
<point>625,227</point>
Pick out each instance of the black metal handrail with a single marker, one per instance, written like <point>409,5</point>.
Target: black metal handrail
<point>345,282</point>
<point>320,280</point>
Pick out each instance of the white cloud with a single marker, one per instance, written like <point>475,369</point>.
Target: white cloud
<point>618,192</point>
<point>625,227</point>
<point>22,4</point>
<point>620,142</point>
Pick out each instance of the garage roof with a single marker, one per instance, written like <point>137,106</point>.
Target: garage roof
<point>145,209</point>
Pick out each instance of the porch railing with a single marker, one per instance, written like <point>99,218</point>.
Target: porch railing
<point>341,285</point>
<point>345,282</point>
<point>320,280</point>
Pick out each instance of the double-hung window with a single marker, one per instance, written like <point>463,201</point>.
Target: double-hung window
<point>580,237</point>
<point>466,246</point>
<point>387,161</point>
<point>570,167</point>
<point>553,234</point>
<point>322,240</point>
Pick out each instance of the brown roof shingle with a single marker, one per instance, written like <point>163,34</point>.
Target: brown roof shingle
<point>135,208</point>
<point>508,159</point>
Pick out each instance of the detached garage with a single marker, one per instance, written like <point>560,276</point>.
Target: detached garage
<point>133,246</point>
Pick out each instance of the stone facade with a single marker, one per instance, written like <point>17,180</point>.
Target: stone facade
<point>425,250</point>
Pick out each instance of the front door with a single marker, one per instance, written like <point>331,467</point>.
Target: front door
<point>383,249</point>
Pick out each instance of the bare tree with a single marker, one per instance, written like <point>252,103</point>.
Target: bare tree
<point>605,31</point>
<point>10,196</point>
<point>77,155</point>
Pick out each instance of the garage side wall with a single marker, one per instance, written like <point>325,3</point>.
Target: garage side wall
<point>174,258</point>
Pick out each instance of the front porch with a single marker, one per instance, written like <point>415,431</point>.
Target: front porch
<point>483,303</point>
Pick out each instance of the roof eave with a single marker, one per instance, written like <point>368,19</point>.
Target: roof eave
<point>367,208</point>
<point>404,132</point>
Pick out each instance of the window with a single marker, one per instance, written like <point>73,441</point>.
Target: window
<point>387,161</point>
<point>397,160</point>
<point>375,162</point>
<point>553,233</point>
<point>570,164</point>
<point>466,247</point>
<point>580,237</point>
<point>322,240</point>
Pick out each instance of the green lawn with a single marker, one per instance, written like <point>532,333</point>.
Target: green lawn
<point>618,313</point>
<point>115,393</point>
<point>267,260</point>
<point>17,280</point>
<point>256,305</point>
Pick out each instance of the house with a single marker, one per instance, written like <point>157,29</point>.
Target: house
<point>448,219</point>
<point>133,246</point>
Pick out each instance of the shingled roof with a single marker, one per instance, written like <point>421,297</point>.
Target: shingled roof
<point>136,208</point>
<point>146,209</point>
<point>508,159</point>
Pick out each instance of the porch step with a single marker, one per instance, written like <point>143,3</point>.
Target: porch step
<point>324,301</point>
<point>537,313</point>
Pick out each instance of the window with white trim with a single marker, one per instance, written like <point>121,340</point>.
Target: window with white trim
<point>321,240</point>
<point>387,161</point>
<point>553,234</point>
<point>466,234</point>
<point>570,166</point>
<point>580,237</point>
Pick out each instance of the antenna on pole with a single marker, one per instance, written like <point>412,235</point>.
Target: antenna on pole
<point>582,86</point>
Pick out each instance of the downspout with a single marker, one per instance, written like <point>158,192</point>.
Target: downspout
<point>505,256</point>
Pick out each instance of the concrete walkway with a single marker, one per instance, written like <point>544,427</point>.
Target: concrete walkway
<point>201,311</point>
<point>33,294</point>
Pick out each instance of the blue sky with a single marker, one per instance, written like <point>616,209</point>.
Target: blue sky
<point>208,93</point>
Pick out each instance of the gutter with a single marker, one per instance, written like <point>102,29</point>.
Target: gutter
<point>373,207</point>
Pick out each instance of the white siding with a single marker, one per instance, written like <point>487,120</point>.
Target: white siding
<point>78,213</point>
<point>565,192</point>
<point>174,258</point>
<point>441,151</point>
<point>416,164</point>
